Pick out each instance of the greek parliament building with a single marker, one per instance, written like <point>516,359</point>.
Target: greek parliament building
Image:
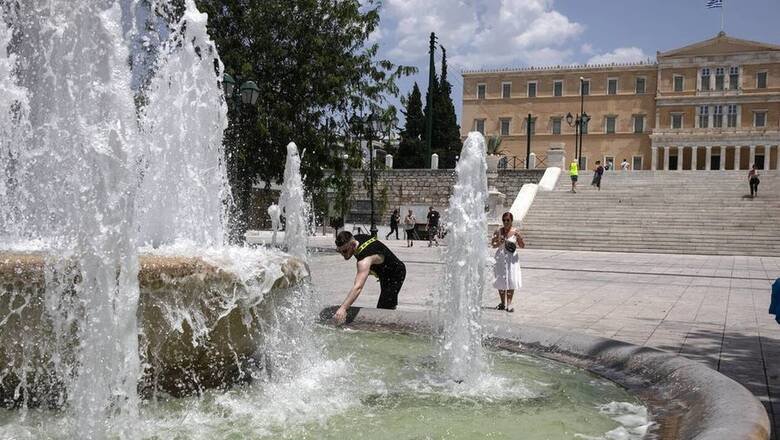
<point>710,105</point>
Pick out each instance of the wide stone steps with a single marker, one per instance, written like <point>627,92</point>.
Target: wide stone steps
<point>667,212</point>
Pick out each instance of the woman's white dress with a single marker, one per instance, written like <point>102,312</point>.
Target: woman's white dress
<point>507,268</point>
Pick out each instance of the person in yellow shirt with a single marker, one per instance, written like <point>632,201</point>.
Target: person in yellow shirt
<point>574,173</point>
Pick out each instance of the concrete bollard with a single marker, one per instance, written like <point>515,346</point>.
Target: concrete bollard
<point>389,161</point>
<point>434,161</point>
<point>532,161</point>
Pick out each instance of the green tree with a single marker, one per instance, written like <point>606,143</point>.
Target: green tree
<point>446,132</point>
<point>411,152</point>
<point>314,67</point>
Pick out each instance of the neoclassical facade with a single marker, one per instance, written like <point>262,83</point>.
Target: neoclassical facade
<point>710,105</point>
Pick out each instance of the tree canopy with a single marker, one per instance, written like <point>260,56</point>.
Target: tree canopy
<point>411,152</point>
<point>315,69</point>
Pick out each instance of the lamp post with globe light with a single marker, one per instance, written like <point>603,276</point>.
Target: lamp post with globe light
<point>371,126</point>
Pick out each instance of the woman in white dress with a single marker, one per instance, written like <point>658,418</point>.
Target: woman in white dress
<point>507,268</point>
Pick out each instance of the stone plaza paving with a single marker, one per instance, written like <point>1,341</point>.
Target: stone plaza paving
<point>712,309</point>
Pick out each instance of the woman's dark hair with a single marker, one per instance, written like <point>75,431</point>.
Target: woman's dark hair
<point>511,217</point>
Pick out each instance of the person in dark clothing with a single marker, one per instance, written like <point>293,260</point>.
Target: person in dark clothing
<point>597,173</point>
<point>395,218</point>
<point>373,258</point>
<point>753,181</point>
<point>433,226</point>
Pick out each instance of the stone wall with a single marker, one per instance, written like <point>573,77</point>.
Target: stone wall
<point>397,188</point>
<point>425,187</point>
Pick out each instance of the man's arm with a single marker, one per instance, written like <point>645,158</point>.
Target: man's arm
<point>363,270</point>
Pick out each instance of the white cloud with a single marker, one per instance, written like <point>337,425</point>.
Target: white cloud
<point>587,49</point>
<point>479,33</point>
<point>619,55</point>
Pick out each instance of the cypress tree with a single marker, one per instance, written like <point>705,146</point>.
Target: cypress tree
<point>446,132</point>
<point>410,149</point>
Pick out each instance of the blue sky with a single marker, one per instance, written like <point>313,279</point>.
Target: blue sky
<point>508,33</point>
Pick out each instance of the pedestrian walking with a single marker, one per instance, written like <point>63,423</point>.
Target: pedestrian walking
<point>395,218</point>
<point>432,226</point>
<point>597,173</point>
<point>753,181</point>
<point>624,165</point>
<point>573,174</point>
<point>409,222</point>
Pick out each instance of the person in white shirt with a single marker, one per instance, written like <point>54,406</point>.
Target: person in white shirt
<point>624,165</point>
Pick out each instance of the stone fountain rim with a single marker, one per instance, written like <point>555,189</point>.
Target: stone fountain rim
<point>686,399</point>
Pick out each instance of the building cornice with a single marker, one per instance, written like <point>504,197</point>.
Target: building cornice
<point>563,69</point>
<point>669,101</point>
<point>715,137</point>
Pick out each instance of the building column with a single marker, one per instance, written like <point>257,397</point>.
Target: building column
<point>708,162</point>
<point>737,153</point>
<point>723,158</point>
<point>767,156</point>
<point>680,150</point>
<point>752,159</point>
<point>666,158</point>
<point>653,158</point>
<point>694,155</point>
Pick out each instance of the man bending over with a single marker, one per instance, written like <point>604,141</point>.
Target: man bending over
<point>373,258</point>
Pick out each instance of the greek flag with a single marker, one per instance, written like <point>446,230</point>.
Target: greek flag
<point>714,4</point>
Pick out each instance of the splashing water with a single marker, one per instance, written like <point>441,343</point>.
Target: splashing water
<point>293,204</point>
<point>14,110</point>
<point>460,297</point>
<point>76,186</point>
<point>185,109</point>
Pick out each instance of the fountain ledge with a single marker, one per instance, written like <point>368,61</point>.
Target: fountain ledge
<point>686,400</point>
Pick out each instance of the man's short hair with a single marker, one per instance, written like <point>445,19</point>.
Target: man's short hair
<point>343,238</point>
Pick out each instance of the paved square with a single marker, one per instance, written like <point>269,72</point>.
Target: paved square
<point>712,309</point>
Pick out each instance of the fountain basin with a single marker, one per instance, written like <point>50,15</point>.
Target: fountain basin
<point>198,324</point>
<point>685,399</point>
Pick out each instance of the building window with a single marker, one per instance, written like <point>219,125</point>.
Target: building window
<point>639,123</point>
<point>556,125</point>
<point>481,91</point>
<point>479,125</point>
<point>734,78</point>
<point>719,78</point>
<point>558,88</point>
<point>717,116</point>
<point>678,83</point>
<point>704,116</point>
<point>705,79</point>
<point>611,122</point>
<point>612,86</point>
<point>506,90</point>
<point>677,120</point>
<point>761,80</point>
<point>636,163</point>
<point>731,118</point>
<point>532,89</point>
<point>585,87</point>
<point>640,85</point>
<point>504,123</point>
<point>759,119</point>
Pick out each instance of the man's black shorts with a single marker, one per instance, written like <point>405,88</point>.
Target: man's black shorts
<point>388,297</point>
<point>573,178</point>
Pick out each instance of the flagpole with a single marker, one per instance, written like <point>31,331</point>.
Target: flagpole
<point>722,9</point>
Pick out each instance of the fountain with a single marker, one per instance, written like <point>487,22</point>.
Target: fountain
<point>460,297</point>
<point>90,316</point>
<point>116,284</point>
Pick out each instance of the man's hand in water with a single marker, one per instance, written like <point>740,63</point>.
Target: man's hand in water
<point>340,316</point>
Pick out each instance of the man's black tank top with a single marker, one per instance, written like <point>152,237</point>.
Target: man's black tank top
<point>367,246</point>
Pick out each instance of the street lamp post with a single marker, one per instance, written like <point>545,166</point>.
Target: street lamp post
<point>247,94</point>
<point>370,126</point>
<point>580,123</point>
